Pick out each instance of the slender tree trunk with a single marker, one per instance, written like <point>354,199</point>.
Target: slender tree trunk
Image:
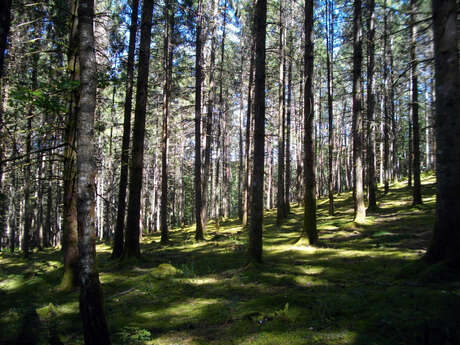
<point>69,211</point>
<point>121,211</point>
<point>198,80</point>
<point>309,225</point>
<point>288,134</point>
<point>416,191</point>
<point>360,210</point>
<point>371,183</point>
<point>167,56</point>
<point>257,188</point>
<point>210,112</point>
<point>280,202</point>
<point>386,117</point>
<point>330,78</point>
<point>240,147</point>
<point>446,235</point>
<point>91,299</point>
<point>132,247</point>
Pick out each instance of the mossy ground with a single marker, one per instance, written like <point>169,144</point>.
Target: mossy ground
<point>364,284</point>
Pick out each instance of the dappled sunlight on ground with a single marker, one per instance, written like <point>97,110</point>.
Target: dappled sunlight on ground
<point>363,283</point>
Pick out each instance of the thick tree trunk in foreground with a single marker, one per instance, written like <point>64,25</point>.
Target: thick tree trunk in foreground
<point>416,192</point>
<point>446,236</point>
<point>69,211</point>
<point>360,210</point>
<point>309,225</point>
<point>198,80</point>
<point>257,188</point>
<point>91,300</point>
<point>119,228</point>
<point>371,181</point>
<point>132,248</point>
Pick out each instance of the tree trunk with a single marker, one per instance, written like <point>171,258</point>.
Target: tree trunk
<point>371,181</point>
<point>360,210</point>
<point>132,248</point>
<point>330,78</point>
<point>280,201</point>
<point>198,80</point>
<point>121,211</point>
<point>257,188</point>
<point>416,191</point>
<point>446,235</point>
<point>5,21</point>
<point>69,211</point>
<point>91,298</point>
<point>309,225</point>
<point>287,206</point>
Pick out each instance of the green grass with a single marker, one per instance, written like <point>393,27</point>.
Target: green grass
<point>364,284</point>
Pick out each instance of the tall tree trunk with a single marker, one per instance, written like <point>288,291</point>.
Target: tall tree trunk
<point>247,175</point>
<point>371,181</point>
<point>360,210</point>
<point>91,298</point>
<point>121,211</point>
<point>257,188</point>
<point>446,235</point>
<point>330,79</point>
<point>69,211</point>
<point>167,56</point>
<point>280,200</point>
<point>287,206</point>
<point>132,248</point>
<point>198,80</point>
<point>416,191</point>
<point>209,116</point>
<point>240,148</point>
<point>309,225</point>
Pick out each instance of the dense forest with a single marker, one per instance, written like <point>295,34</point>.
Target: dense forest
<point>157,135</point>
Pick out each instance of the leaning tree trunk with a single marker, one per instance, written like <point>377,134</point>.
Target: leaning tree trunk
<point>198,80</point>
<point>121,211</point>
<point>360,210</point>
<point>446,236</point>
<point>416,191</point>
<point>309,222</point>
<point>257,188</point>
<point>91,299</point>
<point>132,248</point>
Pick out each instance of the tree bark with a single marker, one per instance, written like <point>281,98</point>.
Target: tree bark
<point>91,298</point>
<point>371,181</point>
<point>416,191</point>
<point>257,188</point>
<point>198,80</point>
<point>446,235</point>
<point>309,225</point>
<point>132,247</point>
<point>360,210</point>
<point>330,80</point>
<point>287,206</point>
<point>121,211</point>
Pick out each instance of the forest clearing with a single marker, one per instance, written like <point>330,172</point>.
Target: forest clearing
<point>363,285</point>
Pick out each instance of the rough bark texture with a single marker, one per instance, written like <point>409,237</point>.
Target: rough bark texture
<point>119,228</point>
<point>446,236</point>
<point>330,79</point>
<point>198,80</point>
<point>360,210</point>
<point>69,218</point>
<point>309,225</point>
<point>257,188</point>
<point>371,181</point>
<point>416,192</point>
<point>287,206</point>
<point>91,299</point>
<point>131,248</point>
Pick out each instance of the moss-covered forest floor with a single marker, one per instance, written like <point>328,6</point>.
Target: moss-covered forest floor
<point>364,284</point>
